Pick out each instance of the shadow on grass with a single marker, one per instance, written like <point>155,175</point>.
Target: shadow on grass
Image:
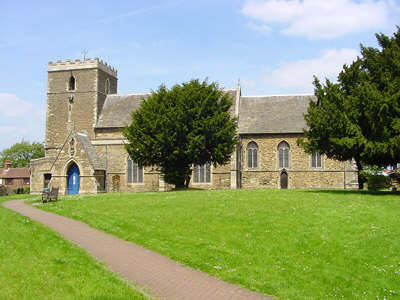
<point>355,192</point>
<point>186,189</point>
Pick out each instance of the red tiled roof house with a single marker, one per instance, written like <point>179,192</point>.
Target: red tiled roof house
<point>14,178</point>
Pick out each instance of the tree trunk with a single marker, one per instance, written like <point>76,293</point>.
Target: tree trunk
<point>360,179</point>
<point>187,181</point>
<point>178,175</point>
<point>179,185</point>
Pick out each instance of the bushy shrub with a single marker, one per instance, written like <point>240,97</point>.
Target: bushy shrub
<point>27,190</point>
<point>378,182</point>
<point>3,190</point>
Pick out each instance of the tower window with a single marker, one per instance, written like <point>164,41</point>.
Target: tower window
<point>252,155</point>
<point>71,83</point>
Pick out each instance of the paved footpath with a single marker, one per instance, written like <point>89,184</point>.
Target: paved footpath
<point>161,276</point>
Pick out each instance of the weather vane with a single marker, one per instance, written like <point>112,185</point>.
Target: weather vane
<point>84,52</point>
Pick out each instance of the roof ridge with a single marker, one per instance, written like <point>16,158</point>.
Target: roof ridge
<point>127,94</point>
<point>277,95</point>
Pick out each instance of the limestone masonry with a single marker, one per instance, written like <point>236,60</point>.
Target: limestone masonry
<point>85,147</point>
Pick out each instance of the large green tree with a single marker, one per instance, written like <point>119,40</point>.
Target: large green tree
<point>359,116</point>
<point>186,125</point>
<point>20,154</point>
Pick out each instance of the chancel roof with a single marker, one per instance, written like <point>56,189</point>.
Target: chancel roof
<point>273,114</point>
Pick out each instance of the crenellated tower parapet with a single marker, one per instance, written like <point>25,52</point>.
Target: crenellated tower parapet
<point>78,64</point>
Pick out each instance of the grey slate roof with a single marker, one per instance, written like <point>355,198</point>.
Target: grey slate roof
<point>273,114</point>
<point>90,151</point>
<point>117,109</point>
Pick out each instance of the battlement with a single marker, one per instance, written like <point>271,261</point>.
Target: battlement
<point>77,64</point>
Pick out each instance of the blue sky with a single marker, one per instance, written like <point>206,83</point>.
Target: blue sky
<point>273,46</point>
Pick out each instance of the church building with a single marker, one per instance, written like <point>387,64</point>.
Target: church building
<point>85,147</point>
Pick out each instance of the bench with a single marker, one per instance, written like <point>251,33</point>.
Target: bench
<point>49,195</point>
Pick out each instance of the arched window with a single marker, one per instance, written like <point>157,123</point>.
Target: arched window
<point>134,172</point>
<point>252,155</point>
<point>283,153</point>
<point>71,83</point>
<point>316,160</point>
<point>107,86</point>
<point>202,174</point>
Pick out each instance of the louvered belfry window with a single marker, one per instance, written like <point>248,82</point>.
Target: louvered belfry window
<point>252,155</point>
<point>71,83</point>
<point>316,160</point>
<point>202,174</point>
<point>283,152</point>
<point>134,172</point>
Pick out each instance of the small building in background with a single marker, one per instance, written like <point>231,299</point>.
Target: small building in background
<point>14,178</point>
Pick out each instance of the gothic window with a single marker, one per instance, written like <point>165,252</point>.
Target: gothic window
<point>283,153</point>
<point>71,83</point>
<point>316,160</point>
<point>134,172</point>
<point>202,174</point>
<point>107,87</point>
<point>252,155</point>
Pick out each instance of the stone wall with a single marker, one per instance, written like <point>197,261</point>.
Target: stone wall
<point>300,173</point>
<point>102,78</point>
<point>220,179</point>
<point>39,167</point>
<point>116,158</point>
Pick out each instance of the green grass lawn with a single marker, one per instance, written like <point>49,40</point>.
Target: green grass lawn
<point>292,244</point>
<point>36,263</point>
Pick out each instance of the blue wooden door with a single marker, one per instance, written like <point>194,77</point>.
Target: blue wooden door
<point>73,179</point>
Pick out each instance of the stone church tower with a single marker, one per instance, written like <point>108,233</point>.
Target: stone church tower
<point>76,92</point>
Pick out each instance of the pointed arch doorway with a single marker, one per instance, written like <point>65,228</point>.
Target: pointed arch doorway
<point>73,179</point>
<point>284,180</point>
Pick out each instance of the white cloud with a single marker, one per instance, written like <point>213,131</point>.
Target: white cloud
<point>297,76</point>
<point>20,119</point>
<point>321,18</point>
